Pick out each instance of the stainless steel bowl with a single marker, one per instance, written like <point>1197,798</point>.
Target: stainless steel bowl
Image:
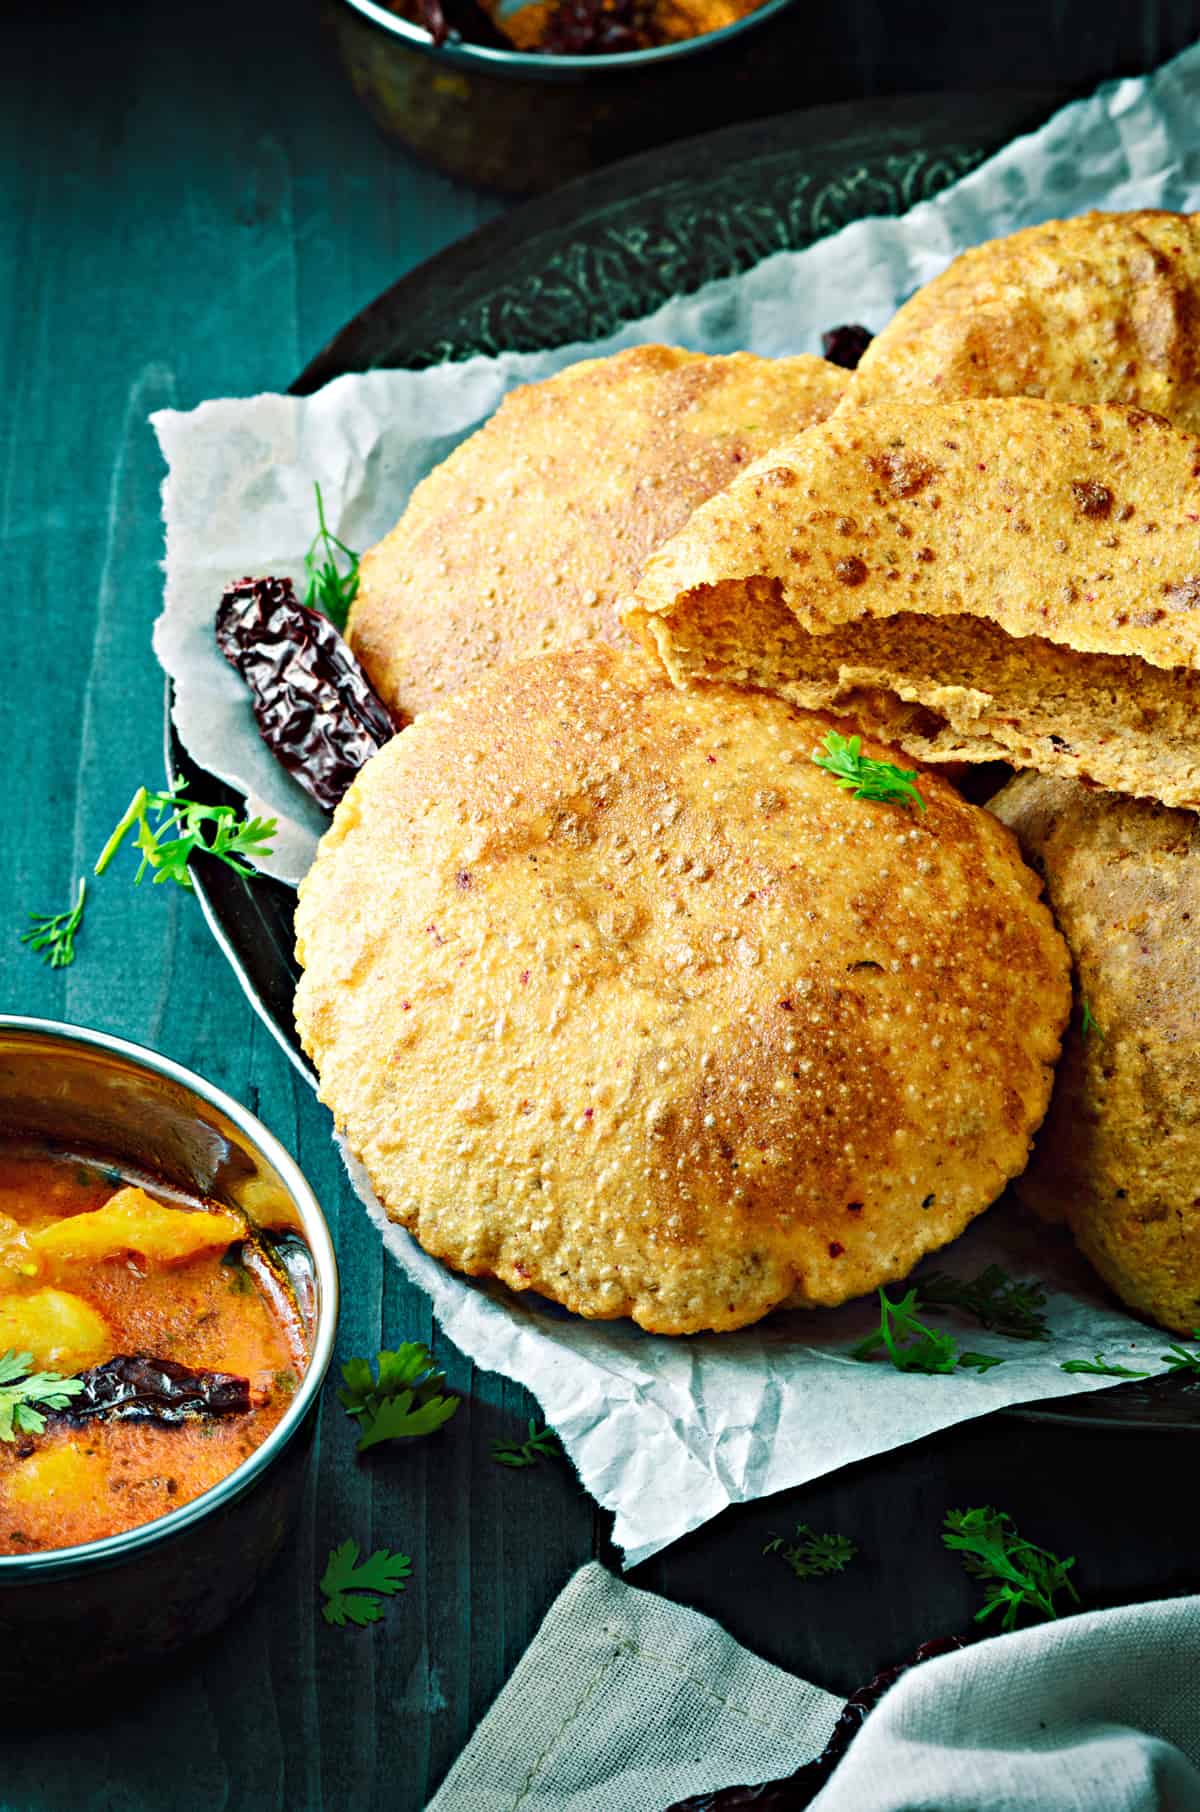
<point>522,122</point>
<point>74,1615</point>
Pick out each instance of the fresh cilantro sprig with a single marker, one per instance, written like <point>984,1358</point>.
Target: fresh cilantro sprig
<point>350,1587</point>
<point>401,1400</point>
<point>1100,1367</point>
<point>912,1346</point>
<point>25,1394</point>
<point>1018,1576</point>
<point>330,590</point>
<point>541,1445</point>
<point>1087,1024</point>
<point>1179,1359</point>
<point>866,778</point>
<point>998,1302</point>
<point>812,1555</point>
<point>183,828</point>
<point>169,829</point>
<point>52,934</point>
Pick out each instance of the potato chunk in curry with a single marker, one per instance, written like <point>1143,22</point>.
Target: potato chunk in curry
<point>63,1332</point>
<point>134,1222</point>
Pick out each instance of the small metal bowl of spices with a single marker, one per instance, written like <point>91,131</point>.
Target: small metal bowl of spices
<point>458,90</point>
<point>168,1304</point>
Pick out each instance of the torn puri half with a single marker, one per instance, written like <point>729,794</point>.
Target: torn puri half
<point>996,579</point>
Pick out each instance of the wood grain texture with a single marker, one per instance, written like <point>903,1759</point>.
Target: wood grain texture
<point>190,205</point>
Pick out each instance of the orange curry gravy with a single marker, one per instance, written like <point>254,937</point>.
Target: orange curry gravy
<point>81,1295</point>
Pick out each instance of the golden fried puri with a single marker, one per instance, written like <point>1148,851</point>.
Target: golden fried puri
<point>532,533</point>
<point>994,579</point>
<point>619,998</point>
<point>1119,1155</point>
<point>1104,308</point>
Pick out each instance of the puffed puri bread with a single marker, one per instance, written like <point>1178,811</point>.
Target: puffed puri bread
<point>994,579</point>
<point>619,998</point>
<point>534,531</point>
<point>1104,308</point>
<point>1119,1155</point>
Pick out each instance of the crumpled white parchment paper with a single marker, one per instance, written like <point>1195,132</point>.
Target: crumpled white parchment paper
<point>666,1433</point>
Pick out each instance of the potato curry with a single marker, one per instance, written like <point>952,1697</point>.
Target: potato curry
<point>173,1327</point>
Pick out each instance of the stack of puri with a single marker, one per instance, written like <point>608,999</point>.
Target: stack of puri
<point>616,994</point>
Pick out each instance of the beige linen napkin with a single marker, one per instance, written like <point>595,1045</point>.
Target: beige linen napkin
<point>625,1703</point>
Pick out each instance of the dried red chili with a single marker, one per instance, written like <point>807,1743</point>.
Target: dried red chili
<point>599,28</point>
<point>845,346</point>
<point>159,1390</point>
<point>316,710</point>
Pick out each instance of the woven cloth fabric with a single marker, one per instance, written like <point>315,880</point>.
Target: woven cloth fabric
<point>1098,1713</point>
<point>625,1703</point>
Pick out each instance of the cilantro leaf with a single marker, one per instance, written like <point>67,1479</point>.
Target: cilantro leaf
<point>995,1300</point>
<point>542,1444</point>
<point>1100,1366</point>
<point>866,778</point>
<point>1179,1359</point>
<point>912,1346</point>
<point>52,934</point>
<point>25,1394</point>
<point>233,841</point>
<point>330,591</point>
<point>402,1400</point>
<point>812,1555</point>
<point>1017,1575</point>
<point>349,1588</point>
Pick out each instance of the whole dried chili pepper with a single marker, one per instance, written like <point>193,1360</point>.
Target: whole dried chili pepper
<point>845,346</point>
<point>796,1790</point>
<point>158,1390</point>
<point>317,711</point>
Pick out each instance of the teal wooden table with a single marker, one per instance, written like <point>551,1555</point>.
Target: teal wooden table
<point>191,205</point>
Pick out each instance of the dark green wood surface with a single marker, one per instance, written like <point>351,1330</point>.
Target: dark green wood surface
<point>191,205</point>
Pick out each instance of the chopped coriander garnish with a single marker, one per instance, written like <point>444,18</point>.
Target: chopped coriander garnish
<point>1018,1576</point>
<point>402,1400</point>
<point>329,591</point>
<point>52,934</point>
<point>979,1362</point>
<point>1087,1023</point>
<point>212,830</point>
<point>541,1445</point>
<point>1101,1367</point>
<point>812,1555</point>
<point>996,1301</point>
<point>349,1587</point>
<point>231,841</point>
<point>865,777</point>
<point>25,1394</point>
<point>1179,1359</point>
<point>912,1346</point>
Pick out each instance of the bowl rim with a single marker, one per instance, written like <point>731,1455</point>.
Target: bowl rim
<point>544,67</point>
<point>112,1549</point>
